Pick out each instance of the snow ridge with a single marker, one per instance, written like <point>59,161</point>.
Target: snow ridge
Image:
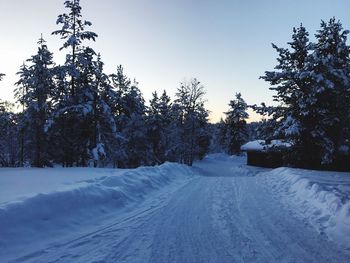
<point>319,198</point>
<point>65,207</point>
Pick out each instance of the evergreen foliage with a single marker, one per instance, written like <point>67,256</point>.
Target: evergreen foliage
<point>8,135</point>
<point>77,115</point>
<point>312,85</point>
<point>34,90</point>
<point>235,125</point>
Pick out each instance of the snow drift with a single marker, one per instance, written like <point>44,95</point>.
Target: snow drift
<point>321,199</point>
<point>56,203</point>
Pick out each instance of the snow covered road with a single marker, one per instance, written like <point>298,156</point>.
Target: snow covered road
<point>227,214</point>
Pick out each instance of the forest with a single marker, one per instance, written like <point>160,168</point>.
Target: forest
<point>75,114</point>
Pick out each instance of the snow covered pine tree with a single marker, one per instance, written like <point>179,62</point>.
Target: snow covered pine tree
<point>328,103</point>
<point>236,125</point>
<point>311,82</point>
<point>83,118</point>
<point>130,114</point>
<point>159,119</point>
<point>288,116</point>
<point>35,88</point>
<point>8,134</point>
<point>69,113</point>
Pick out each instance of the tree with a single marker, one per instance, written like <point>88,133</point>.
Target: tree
<point>327,105</point>
<point>84,112</point>
<point>74,33</point>
<point>130,115</point>
<point>135,130</point>
<point>312,82</point>
<point>159,119</point>
<point>236,125</point>
<point>96,120</point>
<point>287,84</point>
<point>193,120</point>
<point>8,135</point>
<point>34,92</point>
<point>288,119</point>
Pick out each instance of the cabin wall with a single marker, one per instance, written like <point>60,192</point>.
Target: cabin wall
<point>265,159</point>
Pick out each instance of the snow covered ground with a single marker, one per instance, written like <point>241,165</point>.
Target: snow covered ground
<point>42,206</point>
<point>320,198</point>
<point>218,211</point>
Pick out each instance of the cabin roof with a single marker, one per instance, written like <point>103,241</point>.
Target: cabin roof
<point>260,145</point>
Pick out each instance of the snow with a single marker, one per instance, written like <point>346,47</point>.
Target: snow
<point>279,143</point>
<point>260,145</point>
<point>219,210</point>
<point>320,198</point>
<point>98,152</point>
<point>257,145</point>
<point>18,184</point>
<point>36,205</point>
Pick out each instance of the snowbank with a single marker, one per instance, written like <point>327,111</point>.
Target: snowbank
<point>17,184</point>
<point>322,199</point>
<point>44,201</point>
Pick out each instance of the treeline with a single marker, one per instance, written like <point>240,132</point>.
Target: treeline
<point>312,90</point>
<point>77,115</point>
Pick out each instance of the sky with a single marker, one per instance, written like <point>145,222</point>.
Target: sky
<point>225,44</point>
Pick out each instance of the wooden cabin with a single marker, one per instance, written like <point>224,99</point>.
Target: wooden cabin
<point>263,154</point>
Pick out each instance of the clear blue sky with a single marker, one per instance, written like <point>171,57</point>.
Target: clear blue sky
<point>225,44</point>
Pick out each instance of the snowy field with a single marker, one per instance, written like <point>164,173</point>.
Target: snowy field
<point>218,211</point>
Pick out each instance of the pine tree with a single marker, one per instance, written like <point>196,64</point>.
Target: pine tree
<point>121,84</point>
<point>79,102</point>
<point>130,114</point>
<point>93,135</point>
<point>155,129</point>
<point>20,92</point>
<point>312,82</point>
<point>97,124</point>
<point>203,136</point>
<point>104,125</point>
<point>222,133</point>
<point>290,89</point>
<point>34,91</point>
<point>8,135</point>
<point>135,130</point>
<point>327,104</point>
<point>236,125</point>
<point>288,119</point>
<point>74,33</point>
<point>158,122</point>
<point>132,126</point>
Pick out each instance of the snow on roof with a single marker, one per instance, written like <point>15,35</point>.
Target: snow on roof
<point>260,145</point>
<point>279,143</point>
<point>257,145</point>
